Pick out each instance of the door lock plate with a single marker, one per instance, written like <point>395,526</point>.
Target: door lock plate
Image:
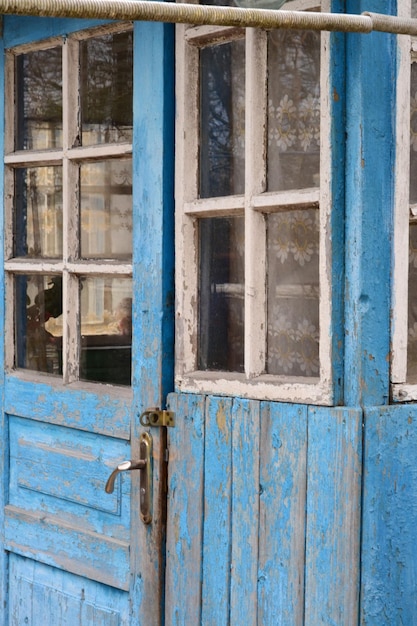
<point>157,417</point>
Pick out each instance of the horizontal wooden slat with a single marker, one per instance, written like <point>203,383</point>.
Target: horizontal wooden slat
<point>52,541</point>
<point>105,411</point>
<point>65,470</point>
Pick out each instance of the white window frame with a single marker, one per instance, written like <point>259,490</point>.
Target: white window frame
<point>401,390</point>
<point>253,205</point>
<point>69,157</point>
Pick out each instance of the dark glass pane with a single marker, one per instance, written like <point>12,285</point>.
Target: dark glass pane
<point>38,324</point>
<point>293,293</point>
<point>412,306</point>
<point>106,330</point>
<point>106,209</point>
<point>293,110</point>
<point>107,88</point>
<point>221,295</point>
<point>413,134</point>
<point>39,100</point>
<point>38,212</point>
<point>222,120</point>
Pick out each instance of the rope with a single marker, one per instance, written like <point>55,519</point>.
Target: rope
<point>209,15</point>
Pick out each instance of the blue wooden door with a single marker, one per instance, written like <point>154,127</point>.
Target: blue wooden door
<point>72,553</point>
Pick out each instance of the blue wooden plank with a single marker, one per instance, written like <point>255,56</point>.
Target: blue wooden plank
<point>389,557</point>
<point>153,254</point>
<point>333,516</point>
<point>19,30</point>
<point>337,96</point>
<point>185,511</point>
<point>43,595</point>
<point>217,512</point>
<point>283,460</point>
<point>153,213</point>
<point>245,511</point>
<point>64,471</point>
<point>103,411</point>
<point>370,141</point>
<point>67,545</point>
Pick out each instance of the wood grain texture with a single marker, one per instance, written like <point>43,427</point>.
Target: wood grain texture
<point>217,512</point>
<point>371,65</point>
<point>389,562</point>
<point>152,367</point>
<point>333,516</point>
<point>185,511</point>
<point>245,511</point>
<point>53,541</point>
<point>283,460</point>
<point>61,598</point>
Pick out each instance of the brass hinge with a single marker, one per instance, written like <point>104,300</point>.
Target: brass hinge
<point>157,417</point>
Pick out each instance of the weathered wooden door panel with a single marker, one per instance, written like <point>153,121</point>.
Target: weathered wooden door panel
<point>389,562</point>
<point>245,462</point>
<point>283,462</point>
<point>41,594</point>
<point>268,532</point>
<point>334,472</point>
<point>73,554</point>
<point>58,511</point>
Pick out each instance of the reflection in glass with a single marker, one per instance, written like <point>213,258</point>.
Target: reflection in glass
<point>222,119</point>
<point>106,329</point>
<point>412,306</point>
<point>106,69</point>
<point>221,291</point>
<point>38,212</point>
<point>39,100</point>
<point>38,323</point>
<point>293,110</point>
<point>293,293</point>
<point>106,209</point>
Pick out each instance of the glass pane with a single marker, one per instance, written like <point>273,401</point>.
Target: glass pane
<point>412,306</point>
<point>222,120</point>
<point>38,324</point>
<point>107,88</point>
<point>293,110</point>
<point>221,289</point>
<point>38,212</point>
<point>293,293</point>
<point>39,100</point>
<point>106,209</point>
<point>413,134</point>
<point>106,329</point>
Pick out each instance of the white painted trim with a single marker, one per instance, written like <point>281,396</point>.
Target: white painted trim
<point>215,207</point>
<point>24,265</point>
<point>255,223</point>
<point>277,200</point>
<point>399,316</point>
<point>274,388</point>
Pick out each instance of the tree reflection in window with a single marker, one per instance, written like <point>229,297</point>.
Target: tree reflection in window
<point>222,121</point>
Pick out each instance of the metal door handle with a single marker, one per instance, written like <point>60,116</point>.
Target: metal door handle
<point>143,464</point>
